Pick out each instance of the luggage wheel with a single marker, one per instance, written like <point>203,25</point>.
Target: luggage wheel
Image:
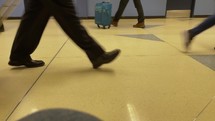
<point>104,27</point>
<point>98,26</point>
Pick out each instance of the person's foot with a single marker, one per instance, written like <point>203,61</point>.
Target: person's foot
<point>188,37</point>
<point>115,23</point>
<point>2,28</point>
<point>105,58</point>
<point>139,25</point>
<point>28,64</point>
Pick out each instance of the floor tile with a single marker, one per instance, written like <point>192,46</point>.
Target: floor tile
<point>208,112</point>
<point>207,60</point>
<point>144,36</point>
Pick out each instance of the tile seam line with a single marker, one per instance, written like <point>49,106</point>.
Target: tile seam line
<point>36,80</point>
<point>206,106</point>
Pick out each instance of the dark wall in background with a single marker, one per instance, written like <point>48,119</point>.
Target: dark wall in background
<point>179,4</point>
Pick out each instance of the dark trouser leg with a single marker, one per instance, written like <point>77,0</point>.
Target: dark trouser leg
<point>206,24</point>
<point>138,6</point>
<point>30,30</point>
<point>122,5</point>
<point>64,12</point>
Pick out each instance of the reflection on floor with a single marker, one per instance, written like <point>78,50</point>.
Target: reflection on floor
<point>153,79</point>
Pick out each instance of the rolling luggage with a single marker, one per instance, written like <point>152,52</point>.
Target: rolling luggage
<point>103,11</point>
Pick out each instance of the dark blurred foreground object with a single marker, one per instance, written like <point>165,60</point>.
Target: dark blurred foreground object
<point>59,115</point>
<point>2,28</point>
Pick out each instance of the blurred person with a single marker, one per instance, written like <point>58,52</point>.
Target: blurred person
<point>191,33</point>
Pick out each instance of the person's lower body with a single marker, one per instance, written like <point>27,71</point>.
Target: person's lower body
<point>138,6</point>
<point>33,24</point>
<point>121,8</point>
<point>190,34</point>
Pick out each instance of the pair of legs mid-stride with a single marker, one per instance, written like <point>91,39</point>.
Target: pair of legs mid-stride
<point>122,6</point>
<point>34,21</point>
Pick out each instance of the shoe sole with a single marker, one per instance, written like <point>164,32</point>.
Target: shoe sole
<point>138,26</point>
<point>23,64</point>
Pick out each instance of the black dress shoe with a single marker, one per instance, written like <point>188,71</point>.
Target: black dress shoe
<point>2,28</point>
<point>105,58</point>
<point>29,64</point>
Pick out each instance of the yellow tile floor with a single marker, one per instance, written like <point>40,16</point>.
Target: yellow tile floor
<point>150,80</point>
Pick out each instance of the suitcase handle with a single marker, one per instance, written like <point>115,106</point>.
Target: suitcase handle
<point>107,1</point>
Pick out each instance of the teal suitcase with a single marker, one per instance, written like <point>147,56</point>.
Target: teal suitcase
<point>103,11</point>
